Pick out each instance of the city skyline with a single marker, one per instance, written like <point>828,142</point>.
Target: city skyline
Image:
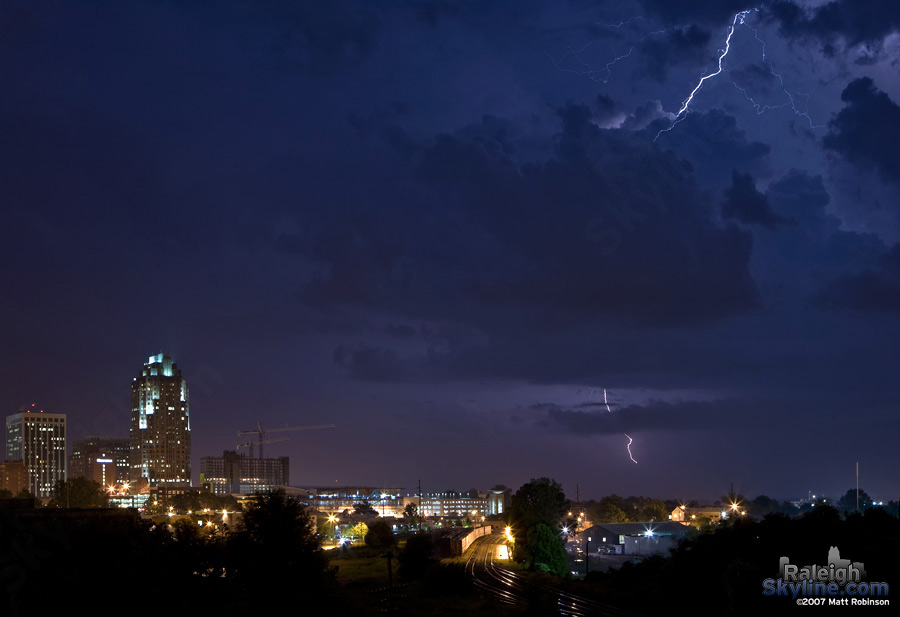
<point>640,247</point>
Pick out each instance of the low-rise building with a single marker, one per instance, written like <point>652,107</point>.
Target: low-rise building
<point>450,503</point>
<point>650,538</point>
<point>688,514</point>
<point>498,501</point>
<point>334,500</point>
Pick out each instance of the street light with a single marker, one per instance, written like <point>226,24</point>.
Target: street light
<point>332,518</point>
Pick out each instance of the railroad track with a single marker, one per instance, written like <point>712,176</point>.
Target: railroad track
<point>514,589</point>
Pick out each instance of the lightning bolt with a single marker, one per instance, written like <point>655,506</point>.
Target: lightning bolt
<point>630,440</point>
<point>624,23</point>
<point>586,69</point>
<point>602,74</point>
<point>687,102</point>
<point>761,109</point>
<point>629,447</point>
<point>740,19</point>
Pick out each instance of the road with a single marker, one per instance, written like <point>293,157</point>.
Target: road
<point>484,565</point>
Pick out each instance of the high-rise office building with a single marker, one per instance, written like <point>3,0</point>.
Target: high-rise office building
<point>105,460</point>
<point>234,473</point>
<point>38,439</point>
<point>160,425</point>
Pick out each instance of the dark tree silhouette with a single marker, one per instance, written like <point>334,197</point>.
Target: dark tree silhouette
<point>539,502</point>
<point>380,534</point>
<point>78,493</point>
<point>275,547</point>
<point>545,548</point>
<point>847,503</point>
<point>364,508</point>
<point>410,510</point>
<point>416,557</point>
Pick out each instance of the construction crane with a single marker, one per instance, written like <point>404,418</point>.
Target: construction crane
<point>261,432</point>
<point>249,444</point>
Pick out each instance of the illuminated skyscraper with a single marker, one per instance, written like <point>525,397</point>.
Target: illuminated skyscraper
<point>38,439</point>
<point>160,425</point>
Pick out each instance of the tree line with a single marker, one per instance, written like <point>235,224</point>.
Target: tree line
<point>271,559</point>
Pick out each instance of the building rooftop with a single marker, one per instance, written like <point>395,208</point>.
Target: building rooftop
<point>661,528</point>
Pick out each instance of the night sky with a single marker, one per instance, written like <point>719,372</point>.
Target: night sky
<point>448,226</point>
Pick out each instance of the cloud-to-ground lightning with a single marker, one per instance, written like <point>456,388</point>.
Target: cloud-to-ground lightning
<point>628,446</point>
<point>630,440</point>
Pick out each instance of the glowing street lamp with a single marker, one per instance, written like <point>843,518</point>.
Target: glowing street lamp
<point>332,519</point>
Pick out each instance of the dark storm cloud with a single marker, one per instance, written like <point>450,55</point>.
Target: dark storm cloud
<point>654,415</point>
<point>855,21</point>
<point>716,146</point>
<point>361,254</point>
<point>608,230</point>
<point>626,218</point>
<point>605,108</point>
<point>873,289</point>
<point>866,132</point>
<point>802,195</point>
<point>760,80</point>
<point>677,46</point>
<point>645,114</point>
<point>609,227</point>
<point>816,253</point>
<point>746,204</point>
<point>708,12</point>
